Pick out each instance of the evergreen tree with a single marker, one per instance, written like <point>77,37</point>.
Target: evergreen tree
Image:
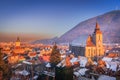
<point>4,68</point>
<point>55,56</point>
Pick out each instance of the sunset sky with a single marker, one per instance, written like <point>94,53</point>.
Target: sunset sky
<point>41,19</point>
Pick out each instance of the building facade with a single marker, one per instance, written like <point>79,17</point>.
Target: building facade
<point>93,46</point>
<point>17,43</point>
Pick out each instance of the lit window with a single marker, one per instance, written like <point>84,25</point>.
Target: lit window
<point>99,52</point>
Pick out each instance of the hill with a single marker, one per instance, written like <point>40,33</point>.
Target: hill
<point>109,24</point>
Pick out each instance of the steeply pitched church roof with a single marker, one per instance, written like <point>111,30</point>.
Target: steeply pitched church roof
<point>89,41</point>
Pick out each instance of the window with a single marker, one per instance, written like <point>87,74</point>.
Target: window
<point>94,52</point>
<point>88,52</point>
<point>99,37</point>
<point>99,52</point>
<point>91,52</point>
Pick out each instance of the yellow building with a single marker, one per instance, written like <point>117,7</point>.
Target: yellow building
<point>18,49</point>
<point>94,44</point>
<point>17,43</point>
<point>90,46</point>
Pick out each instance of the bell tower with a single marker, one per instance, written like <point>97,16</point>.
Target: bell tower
<point>98,40</point>
<point>17,43</point>
<point>98,36</point>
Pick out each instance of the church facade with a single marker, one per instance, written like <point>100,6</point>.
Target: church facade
<point>94,44</point>
<point>93,47</point>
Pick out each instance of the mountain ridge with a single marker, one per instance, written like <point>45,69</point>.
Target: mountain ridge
<point>109,24</point>
<point>106,21</point>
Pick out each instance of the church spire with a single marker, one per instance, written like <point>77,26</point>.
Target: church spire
<point>17,43</point>
<point>18,39</point>
<point>97,27</point>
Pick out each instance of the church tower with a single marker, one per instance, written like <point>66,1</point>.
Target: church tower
<point>94,45</point>
<point>98,40</point>
<point>17,43</point>
<point>98,36</point>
